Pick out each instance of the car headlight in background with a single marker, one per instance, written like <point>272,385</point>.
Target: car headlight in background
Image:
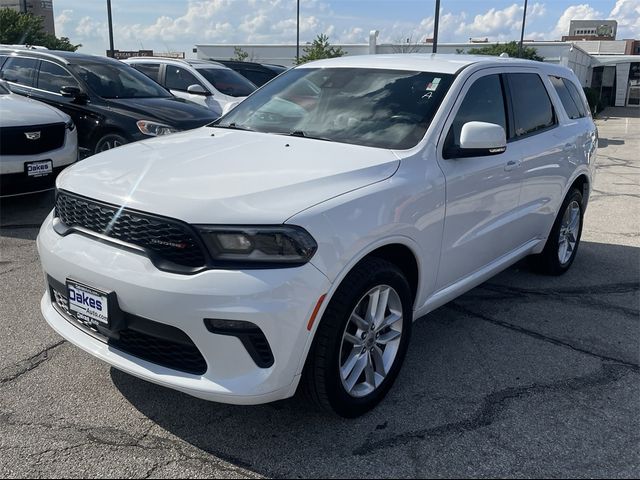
<point>154,129</point>
<point>257,246</point>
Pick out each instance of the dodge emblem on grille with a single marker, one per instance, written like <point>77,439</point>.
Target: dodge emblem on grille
<point>32,135</point>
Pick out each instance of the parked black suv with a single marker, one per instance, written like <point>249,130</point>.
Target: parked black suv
<point>257,73</point>
<point>110,102</point>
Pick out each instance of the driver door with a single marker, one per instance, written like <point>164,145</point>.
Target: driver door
<point>482,192</point>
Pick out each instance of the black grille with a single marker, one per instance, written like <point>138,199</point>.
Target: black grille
<point>164,239</point>
<point>14,141</point>
<point>182,356</point>
<point>151,341</point>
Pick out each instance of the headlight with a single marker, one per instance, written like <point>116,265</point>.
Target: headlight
<point>154,129</point>
<point>259,246</point>
<point>70,125</point>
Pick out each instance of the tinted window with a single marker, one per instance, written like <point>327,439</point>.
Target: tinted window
<point>362,106</point>
<point>118,80</point>
<point>484,102</point>
<point>531,105</point>
<point>227,81</point>
<point>151,70</point>
<point>177,78</point>
<point>19,70</point>
<point>583,108</point>
<point>51,77</point>
<point>257,77</point>
<point>565,97</point>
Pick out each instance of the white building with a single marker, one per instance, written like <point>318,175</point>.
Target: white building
<point>587,60</point>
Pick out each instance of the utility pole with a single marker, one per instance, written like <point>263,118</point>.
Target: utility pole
<point>110,28</point>
<point>298,34</point>
<point>435,27</point>
<point>524,19</point>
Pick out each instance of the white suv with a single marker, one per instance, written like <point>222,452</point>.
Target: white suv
<point>37,142</point>
<point>295,241</point>
<point>207,83</point>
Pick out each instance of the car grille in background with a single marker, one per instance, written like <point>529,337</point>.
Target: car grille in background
<point>165,240</point>
<point>14,141</point>
<point>151,341</point>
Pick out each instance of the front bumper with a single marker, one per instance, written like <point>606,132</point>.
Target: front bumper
<point>14,180</point>
<point>278,301</point>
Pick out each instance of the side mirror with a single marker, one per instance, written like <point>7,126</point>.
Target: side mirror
<point>196,89</point>
<point>73,92</point>
<point>481,139</point>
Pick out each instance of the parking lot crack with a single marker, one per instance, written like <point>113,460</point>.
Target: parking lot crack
<point>11,373</point>
<point>494,404</point>
<point>539,336</point>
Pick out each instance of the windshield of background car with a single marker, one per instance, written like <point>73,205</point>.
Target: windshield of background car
<point>109,80</point>
<point>227,81</point>
<point>363,106</point>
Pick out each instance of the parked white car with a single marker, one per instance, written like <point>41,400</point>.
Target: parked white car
<point>201,81</point>
<point>294,242</point>
<point>36,142</point>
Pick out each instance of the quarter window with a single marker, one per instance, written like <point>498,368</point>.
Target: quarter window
<point>575,94</point>
<point>20,70</point>
<point>484,102</point>
<point>565,97</point>
<point>177,78</point>
<point>531,104</point>
<point>52,77</point>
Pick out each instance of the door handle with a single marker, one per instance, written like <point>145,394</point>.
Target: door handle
<point>511,165</point>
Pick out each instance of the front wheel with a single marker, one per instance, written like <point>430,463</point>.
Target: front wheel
<point>361,341</point>
<point>109,141</point>
<point>562,245</point>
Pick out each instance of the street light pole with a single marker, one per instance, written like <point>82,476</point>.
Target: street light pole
<point>435,27</point>
<point>524,19</point>
<point>298,34</point>
<point>110,28</point>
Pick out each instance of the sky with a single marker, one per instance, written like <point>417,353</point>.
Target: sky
<point>178,25</point>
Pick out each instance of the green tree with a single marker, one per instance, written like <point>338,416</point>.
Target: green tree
<point>511,48</point>
<point>239,55</point>
<point>319,49</point>
<point>18,28</point>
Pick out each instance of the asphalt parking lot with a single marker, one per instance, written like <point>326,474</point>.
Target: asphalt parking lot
<point>525,376</point>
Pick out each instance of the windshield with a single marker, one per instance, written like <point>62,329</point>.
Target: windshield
<point>109,80</point>
<point>227,81</point>
<point>372,107</point>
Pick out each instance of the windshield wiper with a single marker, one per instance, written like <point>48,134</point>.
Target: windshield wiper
<point>301,133</point>
<point>233,126</point>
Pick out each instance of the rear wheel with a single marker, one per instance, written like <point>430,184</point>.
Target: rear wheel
<point>361,341</point>
<point>562,245</point>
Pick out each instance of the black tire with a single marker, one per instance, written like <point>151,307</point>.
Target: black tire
<point>548,262</point>
<point>109,141</point>
<point>321,379</point>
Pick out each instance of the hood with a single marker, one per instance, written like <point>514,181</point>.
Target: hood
<point>18,111</point>
<point>173,111</point>
<point>217,176</point>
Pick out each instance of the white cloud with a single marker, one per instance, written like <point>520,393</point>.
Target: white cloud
<point>61,22</point>
<point>627,13</point>
<point>574,12</point>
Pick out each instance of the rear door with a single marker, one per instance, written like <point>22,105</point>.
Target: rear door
<point>546,147</point>
<point>482,193</point>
